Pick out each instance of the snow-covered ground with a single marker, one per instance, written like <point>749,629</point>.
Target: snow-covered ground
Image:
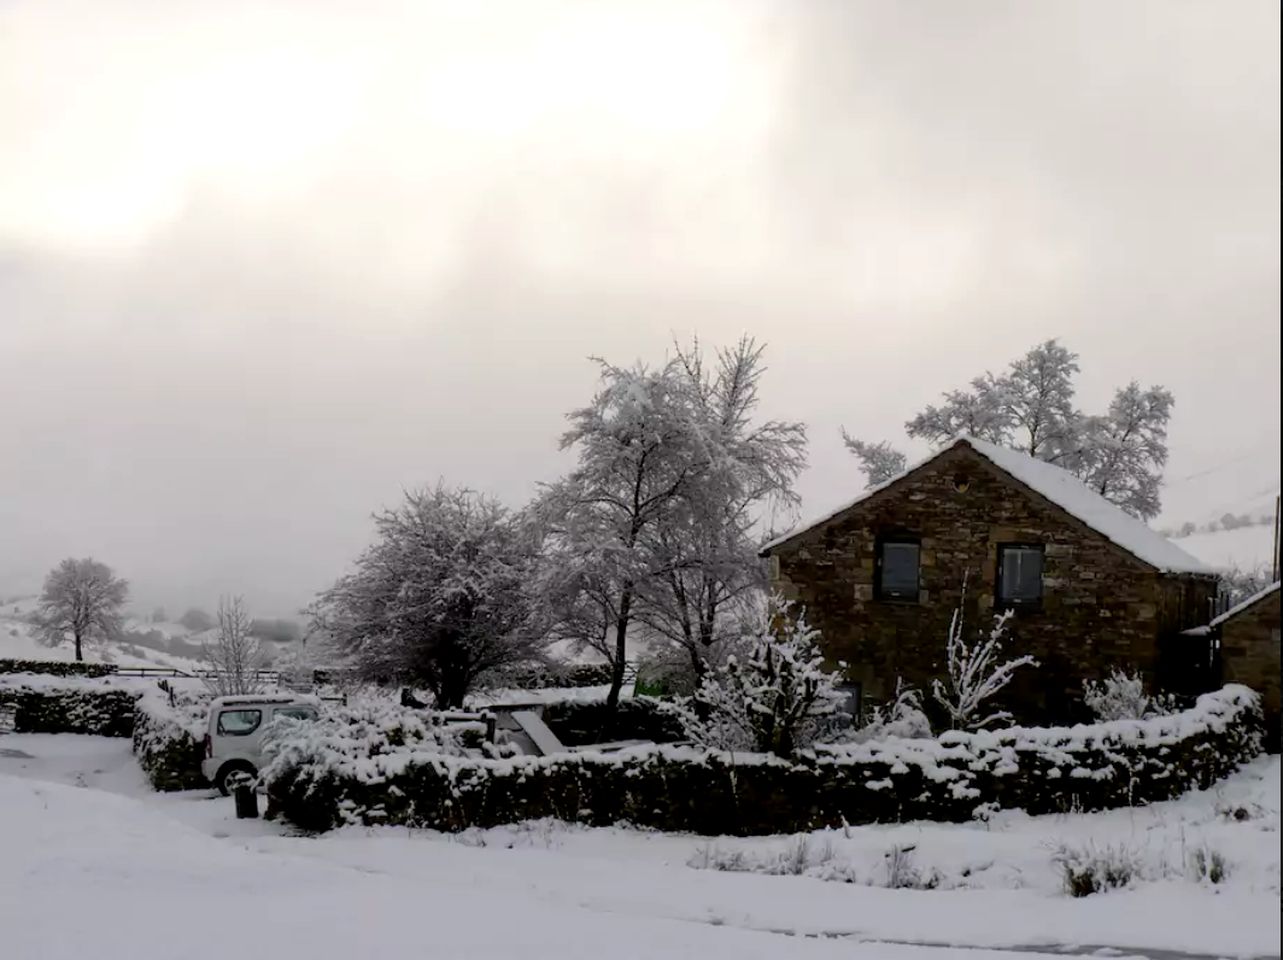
<point>1245,548</point>
<point>143,643</point>
<point>94,864</point>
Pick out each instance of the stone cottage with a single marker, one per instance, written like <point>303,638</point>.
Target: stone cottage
<point>1090,587</point>
<point>1248,638</point>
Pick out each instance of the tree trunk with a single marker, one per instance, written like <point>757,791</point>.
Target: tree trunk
<point>621,648</point>
<point>79,653</point>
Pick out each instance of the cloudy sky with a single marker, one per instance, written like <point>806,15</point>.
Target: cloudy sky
<point>264,265</point>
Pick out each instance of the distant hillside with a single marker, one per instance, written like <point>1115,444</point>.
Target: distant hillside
<point>1243,548</point>
<point>143,642</point>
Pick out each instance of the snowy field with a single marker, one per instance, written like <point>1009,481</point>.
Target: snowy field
<point>95,865</point>
<point>1244,548</point>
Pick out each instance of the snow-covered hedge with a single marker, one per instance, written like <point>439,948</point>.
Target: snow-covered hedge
<point>46,704</point>
<point>364,742</point>
<point>168,734</point>
<point>317,782</point>
<point>57,668</point>
<point>578,722</point>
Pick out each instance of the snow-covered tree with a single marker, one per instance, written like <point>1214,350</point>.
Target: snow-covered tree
<point>1122,696</point>
<point>641,449</point>
<point>975,672</point>
<point>707,571</point>
<point>441,597</point>
<point>235,655</point>
<point>82,599</point>
<point>777,698</point>
<point>1030,407</point>
<point>879,461</point>
<point>1121,455</point>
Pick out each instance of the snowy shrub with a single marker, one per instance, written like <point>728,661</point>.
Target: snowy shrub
<point>329,775</point>
<point>901,873</point>
<point>57,668</point>
<point>1090,869</point>
<point>975,673</point>
<point>169,729</point>
<point>1122,696</point>
<point>1207,865</point>
<point>903,717</point>
<point>44,704</point>
<point>777,699</point>
<point>801,857</point>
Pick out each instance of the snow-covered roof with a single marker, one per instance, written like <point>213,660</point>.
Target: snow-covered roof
<point>1238,608</point>
<point>1061,488</point>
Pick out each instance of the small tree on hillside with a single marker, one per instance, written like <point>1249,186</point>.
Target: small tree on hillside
<point>82,599</point>
<point>777,698</point>
<point>235,656</point>
<point>975,673</point>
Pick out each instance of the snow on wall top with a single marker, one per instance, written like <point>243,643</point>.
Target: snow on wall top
<point>1238,608</point>
<point>1061,488</point>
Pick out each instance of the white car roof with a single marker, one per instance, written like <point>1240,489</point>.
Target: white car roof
<point>264,699</point>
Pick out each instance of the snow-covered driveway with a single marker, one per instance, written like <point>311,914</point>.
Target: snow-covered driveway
<point>94,865</point>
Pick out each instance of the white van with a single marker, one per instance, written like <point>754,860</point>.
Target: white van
<point>233,738</point>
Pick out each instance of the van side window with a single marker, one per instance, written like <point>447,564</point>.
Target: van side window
<point>295,713</point>
<point>239,723</point>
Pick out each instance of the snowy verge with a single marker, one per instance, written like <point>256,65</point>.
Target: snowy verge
<point>321,777</point>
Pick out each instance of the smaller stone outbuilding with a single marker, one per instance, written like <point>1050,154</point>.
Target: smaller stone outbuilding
<point>1249,652</point>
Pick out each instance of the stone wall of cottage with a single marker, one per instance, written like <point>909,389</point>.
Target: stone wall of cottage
<point>1101,607</point>
<point>1250,656</point>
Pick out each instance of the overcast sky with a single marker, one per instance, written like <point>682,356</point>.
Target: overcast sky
<point>264,265</point>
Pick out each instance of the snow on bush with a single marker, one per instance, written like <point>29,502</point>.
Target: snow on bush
<point>975,674</point>
<point>69,704</point>
<point>903,717</point>
<point>1089,869</point>
<point>330,776</point>
<point>1122,696</point>
<point>369,742</point>
<point>777,699</point>
<point>169,728</point>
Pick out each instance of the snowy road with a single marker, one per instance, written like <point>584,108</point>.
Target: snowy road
<point>93,864</point>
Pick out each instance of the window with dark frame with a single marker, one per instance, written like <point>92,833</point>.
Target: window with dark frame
<point>1019,575</point>
<point>897,569</point>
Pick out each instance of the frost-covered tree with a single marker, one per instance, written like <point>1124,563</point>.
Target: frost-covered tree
<point>440,599</point>
<point>1030,408</point>
<point>641,450</point>
<point>235,656</point>
<point>1121,455</point>
<point>81,600</point>
<point>707,571</point>
<point>1122,696</point>
<point>879,461</point>
<point>975,672</point>
<point>776,698</point>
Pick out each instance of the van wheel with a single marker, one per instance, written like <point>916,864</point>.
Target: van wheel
<point>225,772</point>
